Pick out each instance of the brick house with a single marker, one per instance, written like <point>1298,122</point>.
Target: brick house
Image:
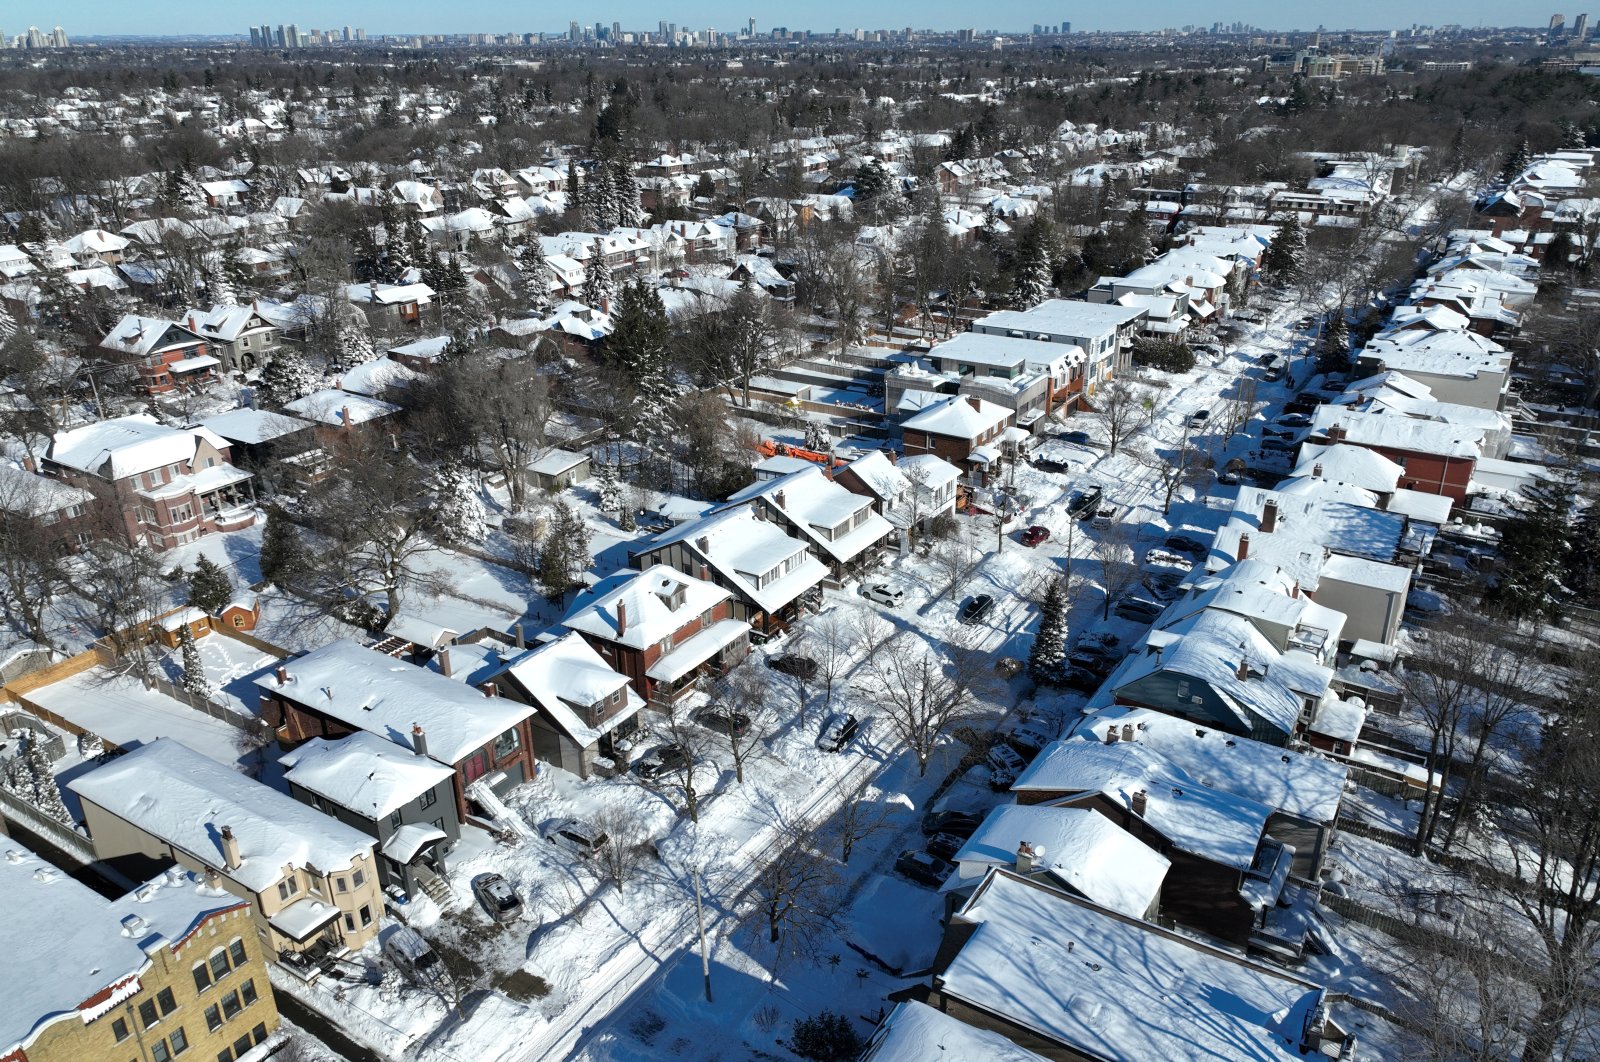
<point>1435,457</point>
<point>161,486</point>
<point>662,629</point>
<point>166,354</point>
<point>239,335</point>
<point>963,430</point>
<point>344,687</point>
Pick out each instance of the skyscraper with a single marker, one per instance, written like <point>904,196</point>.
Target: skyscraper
<point>1580,26</point>
<point>255,36</point>
<point>1558,25</point>
<point>752,27</point>
<point>573,33</point>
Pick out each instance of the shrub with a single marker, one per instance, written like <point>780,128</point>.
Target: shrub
<point>1163,354</point>
<point>826,1037</point>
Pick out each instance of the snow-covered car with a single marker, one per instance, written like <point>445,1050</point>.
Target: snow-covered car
<point>1199,418</point>
<point>725,721</point>
<point>1028,739</point>
<point>499,899</point>
<point>801,667</point>
<point>575,835</point>
<point>1005,764</point>
<point>1160,557</point>
<point>1083,504</point>
<point>838,732</point>
<point>1276,445</point>
<point>976,608</point>
<point>1139,609</point>
<point>1188,546</point>
<point>416,961</point>
<point>944,845</point>
<point>1105,516</point>
<point>1093,658</point>
<point>884,594</point>
<point>1293,420</point>
<point>923,868</point>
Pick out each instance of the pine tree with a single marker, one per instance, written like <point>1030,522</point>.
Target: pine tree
<point>219,283</point>
<point>194,672</point>
<point>1285,255</point>
<point>459,514</point>
<point>1517,160</point>
<point>625,193</point>
<point>640,332</point>
<point>46,794</point>
<point>282,557</point>
<point>18,780</point>
<point>537,278</point>
<point>288,376</point>
<point>1047,658</point>
<point>609,489</point>
<point>1333,356</point>
<point>238,274</point>
<point>352,345</point>
<point>564,553</point>
<point>1534,549</point>
<point>1583,559</point>
<point>418,250</point>
<point>599,286</point>
<point>1033,280</point>
<point>209,587</point>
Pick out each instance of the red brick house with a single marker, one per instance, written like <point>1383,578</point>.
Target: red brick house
<point>1435,457</point>
<point>167,355</point>
<point>964,430</point>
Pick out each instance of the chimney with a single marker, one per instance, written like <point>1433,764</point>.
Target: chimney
<point>1139,800</point>
<point>419,739</point>
<point>975,402</point>
<point>1111,735</point>
<point>703,544</point>
<point>1244,547</point>
<point>605,305</point>
<point>1316,471</point>
<point>490,689</point>
<point>780,499</point>
<point>1027,854</point>
<point>444,662</point>
<point>230,849</point>
<point>1335,433</point>
<point>191,322</point>
<point>344,417</point>
<point>622,618</point>
<point>522,643</point>
<point>1242,672</point>
<point>1269,517</point>
<point>705,574</point>
<point>283,675</point>
<point>1127,731</point>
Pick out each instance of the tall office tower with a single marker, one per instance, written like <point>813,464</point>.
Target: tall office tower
<point>361,34</point>
<point>3,42</point>
<point>572,31</point>
<point>1580,27</point>
<point>291,34</point>
<point>35,38</point>
<point>1558,25</point>
<point>1066,27</point>
<point>672,29</point>
<point>616,31</point>
<point>348,36</point>
<point>752,27</point>
<point>601,32</point>
<point>255,36</point>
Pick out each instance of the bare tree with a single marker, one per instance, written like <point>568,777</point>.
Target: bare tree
<point>1186,465</point>
<point>1121,408</point>
<point>117,590</point>
<point>831,640</point>
<point>627,847</point>
<point>1455,995</point>
<point>688,773</point>
<point>33,564</point>
<point>797,898</point>
<point>955,559</point>
<point>924,691</point>
<point>744,700</point>
<point>861,816</point>
<point>1118,567</point>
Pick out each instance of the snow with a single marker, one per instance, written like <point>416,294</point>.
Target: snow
<point>1092,981</point>
<point>1080,847</point>
<point>337,408</point>
<point>253,426</point>
<point>915,1032</point>
<point>69,949</point>
<point>125,446</point>
<point>750,553</point>
<point>567,676</point>
<point>184,799</point>
<point>696,650</point>
<point>119,709</point>
<point>645,597</point>
<point>959,417</point>
<point>363,772</point>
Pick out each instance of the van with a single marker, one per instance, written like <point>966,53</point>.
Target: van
<point>1277,368</point>
<point>411,955</point>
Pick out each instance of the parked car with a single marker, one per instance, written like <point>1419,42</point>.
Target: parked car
<point>944,845</point>
<point>1277,431</point>
<point>1293,420</point>
<point>416,960</point>
<point>1080,438</point>
<point>883,594</point>
<point>1139,609</point>
<point>665,760</point>
<point>1093,658</point>
<point>1081,679</point>
<point>1191,547</point>
<point>1105,516</point>
<point>1199,418</point>
<point>1005,764</point>
<point>575,835</point>
<point>976,608</point>
<point>1045,464</point>
<point>725,720</point>
<point>1083,504</point>
<point>838,731</point>
<point>1306,402</point>
<point>498,897</point>
<point>1028,739</point>
<point>956,823</point>
<point>1035,535</point>
<point>923,868</point>
<point>1160,557</point>
<point>1281,446</point>
<point>1162,586</point>
<point>801,667</point>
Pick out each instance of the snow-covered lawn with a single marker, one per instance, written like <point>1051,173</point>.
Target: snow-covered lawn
<point>119,709</point>
<point>231,669</point>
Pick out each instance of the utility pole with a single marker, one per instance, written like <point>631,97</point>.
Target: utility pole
<point>700,926</point>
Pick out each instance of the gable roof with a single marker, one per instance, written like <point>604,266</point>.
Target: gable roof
<point>959,417</point>
<point>363,772</point>
<point>566,676</point>
<point>644,597</point>
<point>125,446</point>
<point>815,504</point>
<point>143,336</point>
<point>743,549</point>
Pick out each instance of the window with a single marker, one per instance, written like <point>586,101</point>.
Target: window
<point>225,1055</point>
<point>202,977</point>
<point>119,1029</point>
<point>159,1052</point>
<point>259,1032</point>
<point>242,1044</point>
<point>236,953</point>
<point>349,923</point>
<point>366,914</point>
<point>429,799</point>
<point>180,1042</point>
<point>219,966</point>
<point>341,884</point>
<point>231,1005</point>
<point>213,1018</point>
<point>359,877</point>
<point>166,1002</point>
<point>288,887</point>
<point>147,1014</point>
<point>394,821</point>
<point>506,743</point>
<point>248,993</point>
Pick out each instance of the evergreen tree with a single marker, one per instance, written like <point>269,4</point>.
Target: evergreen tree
<point>1517,160</point>
<point>599,286</point>
<point>625,194</point>
<point>209,587</point>
<point>237,273</point>
<point>1048,657</point>
<point>418,250</point>
<point>640,332</point>
<point>288,376</point>
<point>564,553</point>
<point>458,511</point>
<point>1534,549</point>
<point>282,557</point>
<point>1033,278</point>
<point>458,348</point>
<point>1583,559</point>
<point>1285,256</point>
<point>194,672</point>
<point>537,278</point>
<point>352,345</point>
<point>30,778</point>
<point>219,282</point>
<point>609,489</point>
<point>873,186</point>
<point>1333,355</point>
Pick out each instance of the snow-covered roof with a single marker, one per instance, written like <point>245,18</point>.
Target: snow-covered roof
<point>1105,985</point>
<point>73,955</point>
<point>959,417</point>
<point>339,408</point>
<point>1006,352</point>
<point>222,322</point>
<point>390,294</point>
<point>1344,463</point>
<point>363,772</point>
<point>1081,848</point>
<point>376,376</point>
<point>763,563</point>
<point>567,677</point>
<point>29,494</point>
<point>184,799</point>
<point>1398,432</point>
<point>253,425</point>
<point>143,336</point>
<point>1294,783</point>
<point>647,600</point>
<point>839,524</point>
<point>125,446</point>
<point>1067,318</point>
<point>929,470</point>
<point>876,472</point>
<point>916,1032</point>
<point>370,691</point>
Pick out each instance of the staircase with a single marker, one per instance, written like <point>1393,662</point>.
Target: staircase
<point>435,887</point>
<point>495,808</point>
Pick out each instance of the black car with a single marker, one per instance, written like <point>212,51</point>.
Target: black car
<point>838,732</point>
<point>1085,503</point>
<point>667,758</point>
<point>1044,464</point>
<point>951,823</point>
<point>1140,609</point>
<point>1094,659</point>
<point>923,868</point>
<point>976,608</point>
<point>944,845</point>
<point>734,724</point>
<point>801,667</point>
<point>1185,544</point>
<point>1081,679</point>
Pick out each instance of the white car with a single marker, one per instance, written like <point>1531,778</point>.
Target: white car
<point>575,836</point>
<point>884,594</point>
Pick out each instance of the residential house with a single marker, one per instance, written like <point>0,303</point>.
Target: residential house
<point>1104,332</point>
<point>911,1027</point>
<point>1435,457</point>
<point>338,412</point>
<point>400,798</point>
<point>963,430</point>
<point>239,335</point>
<point>1071,980</point>
<point>343,687</point>
<point>1456,366</point>
<point>841,527</point>
<point>172,966</point>
<point>312,882</point>
<point>160,486</point>
<point>56,509</point>
<point>166,354</point>
<point>772,576</point>
<point>1030,377</point>
<point>662,629</point>
<point>403,303</point>
<point>257,438</point>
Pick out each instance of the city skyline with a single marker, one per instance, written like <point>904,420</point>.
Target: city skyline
<point>90,18</point>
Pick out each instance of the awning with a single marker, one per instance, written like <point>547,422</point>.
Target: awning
<point>204,361</point>
<point>404,843</point>
<point>697,650</point>
<point>302,918</point>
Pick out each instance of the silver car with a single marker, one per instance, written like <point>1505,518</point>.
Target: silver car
<point>575,836</point>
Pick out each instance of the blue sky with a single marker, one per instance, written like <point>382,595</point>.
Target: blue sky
<point>89,17</point>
